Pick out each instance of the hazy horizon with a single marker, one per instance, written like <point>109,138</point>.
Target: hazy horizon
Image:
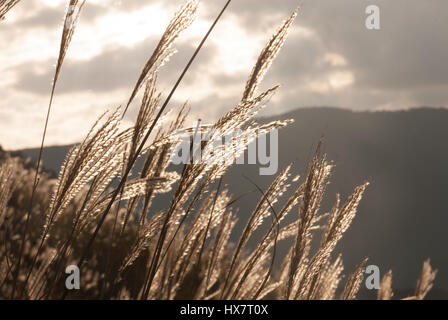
<point>329,59</point>
<point>282,114</point>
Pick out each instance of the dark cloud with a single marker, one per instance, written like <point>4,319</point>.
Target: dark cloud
<point>409,51</point>
<point>300,60</point>
<point>407,56</point>
<point>223,80</point>
<point>116,67</point>
<point>404,62</point>
<point>49,17</point>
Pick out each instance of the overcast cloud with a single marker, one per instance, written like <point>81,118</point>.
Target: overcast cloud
<point>330,59</point>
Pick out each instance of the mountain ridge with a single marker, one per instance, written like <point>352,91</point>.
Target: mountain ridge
<point>401,220</point>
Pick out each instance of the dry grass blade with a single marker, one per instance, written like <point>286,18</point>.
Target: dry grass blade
<point>103,212</point>
<point>425,283</point>
<point>328,280</point>
<point>354,282</point>
<point>5,6</point>
<point>339,221</point>
<point>101,150</point>
<point>6,186</point>
<point>132,161</point>
<point>385,292</point>
<point>68,29</point>
<point>314,189</point>
<point>267,56</point>
<point>181,21</point>
<point>71,17</point>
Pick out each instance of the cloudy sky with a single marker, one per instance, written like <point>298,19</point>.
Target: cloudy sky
<point>330,59</point>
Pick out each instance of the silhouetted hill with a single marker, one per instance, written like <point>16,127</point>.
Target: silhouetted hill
<point>403,218</point>
<point>52,157</point>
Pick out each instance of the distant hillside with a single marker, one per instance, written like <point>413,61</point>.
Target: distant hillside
<point>403,218</point>
<point>52,157</point>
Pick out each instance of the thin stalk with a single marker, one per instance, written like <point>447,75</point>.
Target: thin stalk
<point>145,139</point>
<point>33,192</point>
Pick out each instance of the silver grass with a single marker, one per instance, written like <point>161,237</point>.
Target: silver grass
<point>5,6</point>
<point>425,282</point>
<point>354,282</point>
<point>181,21</point>
<point>385,291</point>
<point>184,251</point>
<point>267,56</point>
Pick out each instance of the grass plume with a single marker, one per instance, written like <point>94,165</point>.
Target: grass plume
<point>101,213</point>
<point>5,6</point>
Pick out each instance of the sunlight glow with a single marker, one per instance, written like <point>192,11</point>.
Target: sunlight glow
<point>334,81</point>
